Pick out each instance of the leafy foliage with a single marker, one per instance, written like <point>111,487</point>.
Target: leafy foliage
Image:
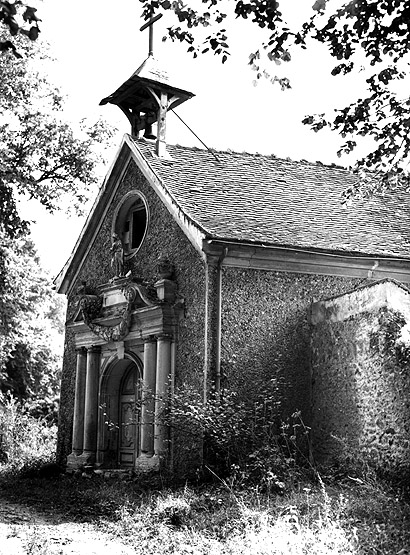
<point>31,325</point>
<point>18,18</point>
<point>41,157</point>
<point>368,37</point>
<point>243,440</point>
<point>26,441</point>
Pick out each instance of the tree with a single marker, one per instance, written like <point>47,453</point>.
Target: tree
<point>369,37</point>
<point>18,18</point>
<point>40,155</point>
<point>31,323</point>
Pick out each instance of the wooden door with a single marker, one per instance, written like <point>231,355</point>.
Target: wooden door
<point>129,419</point>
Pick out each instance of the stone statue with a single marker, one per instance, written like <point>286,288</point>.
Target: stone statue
<point>117,256</point>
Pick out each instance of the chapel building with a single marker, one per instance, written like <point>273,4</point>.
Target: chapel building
<point>203,271</point>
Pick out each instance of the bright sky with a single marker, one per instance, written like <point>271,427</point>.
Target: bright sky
<point>97,45</point>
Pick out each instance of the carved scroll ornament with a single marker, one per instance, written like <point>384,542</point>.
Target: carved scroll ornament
<point>113,333</point>
<point>91,309</point>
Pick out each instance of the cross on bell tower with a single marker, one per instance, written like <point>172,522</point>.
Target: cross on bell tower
<point>147,96</point>
<point>150,24</point>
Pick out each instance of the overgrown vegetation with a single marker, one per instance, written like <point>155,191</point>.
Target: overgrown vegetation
<point>27,441</point>
<point>244,440</point>
<point>235,514</point>
<point>308,518</point>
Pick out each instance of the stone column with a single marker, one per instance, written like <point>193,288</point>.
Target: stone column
<point>148,397</point>
<point>91,404</point>
<point>79,401</point>
<point>161,392</point>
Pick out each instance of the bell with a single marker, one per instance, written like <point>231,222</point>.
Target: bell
<point>148,134</point>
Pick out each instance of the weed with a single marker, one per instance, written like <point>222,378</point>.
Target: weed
<point>246,511</point>
<point>36,542</point>
<point>173,509</point>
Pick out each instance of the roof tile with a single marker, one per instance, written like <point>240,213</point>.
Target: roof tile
<point>264,199</point>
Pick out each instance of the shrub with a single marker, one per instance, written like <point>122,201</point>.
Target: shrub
<point>26,442</point>
<point>245,440</point>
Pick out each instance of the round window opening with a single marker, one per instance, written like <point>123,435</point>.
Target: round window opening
<point>131,223</point>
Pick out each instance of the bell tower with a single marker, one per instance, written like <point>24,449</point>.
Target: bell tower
<point>147,95</point>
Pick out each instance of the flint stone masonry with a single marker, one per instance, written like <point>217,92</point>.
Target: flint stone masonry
<point>361,378</point>
<point>266,334</point>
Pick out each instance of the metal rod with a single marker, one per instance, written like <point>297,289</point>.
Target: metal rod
<point>151,41</point>
<point>195,135</point>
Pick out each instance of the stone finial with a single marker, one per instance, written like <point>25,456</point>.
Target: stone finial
<point>166,290</point>
<point>165,268</point>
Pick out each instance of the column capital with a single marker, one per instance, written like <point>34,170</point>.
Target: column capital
<point>80,350</point>
<point>213,260</point>
<point>94,349</point>
<point>150,339</point>
<point>164,337</point>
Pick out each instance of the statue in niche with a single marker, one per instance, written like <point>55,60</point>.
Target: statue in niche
<point>117,256</point>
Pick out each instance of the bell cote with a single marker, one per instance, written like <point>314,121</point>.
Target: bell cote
<point>146,97</point>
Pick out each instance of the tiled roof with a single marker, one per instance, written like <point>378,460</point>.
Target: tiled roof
<point>266,200</point>
<point>133,91</point>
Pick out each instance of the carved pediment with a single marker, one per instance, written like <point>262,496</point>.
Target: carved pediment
<point>142,295</point>
<point>108,313</point>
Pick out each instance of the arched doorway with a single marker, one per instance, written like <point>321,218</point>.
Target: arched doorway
<point>129,417</point>
<point>120,407</point>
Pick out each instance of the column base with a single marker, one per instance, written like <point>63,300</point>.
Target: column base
<point>146,463</point>
<point>75,461</point>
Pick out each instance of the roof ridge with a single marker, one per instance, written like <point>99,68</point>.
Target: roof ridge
<point>272,156</point>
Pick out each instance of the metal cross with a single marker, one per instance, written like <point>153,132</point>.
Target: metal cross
<point>150,24</point>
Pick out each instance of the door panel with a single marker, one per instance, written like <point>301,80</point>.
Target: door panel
<point>129,420</point>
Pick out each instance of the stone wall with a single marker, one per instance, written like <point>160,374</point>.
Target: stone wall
<point>164,237</point>
<point>266,333</point>
<point>361,378</point>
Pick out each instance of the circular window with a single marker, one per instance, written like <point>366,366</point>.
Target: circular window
<point>130,222</point>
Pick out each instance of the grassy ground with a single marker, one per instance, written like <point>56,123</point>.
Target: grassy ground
<point>348,516</point>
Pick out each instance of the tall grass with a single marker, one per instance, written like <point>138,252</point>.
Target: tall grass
<point>310,520</point>
<point>237,514</point>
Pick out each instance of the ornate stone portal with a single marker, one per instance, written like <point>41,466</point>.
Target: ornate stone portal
<point>125,338</point>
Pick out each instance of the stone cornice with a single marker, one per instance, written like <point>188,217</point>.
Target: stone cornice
<point>386,293</point>
<point>144,323</point>
<point>283,259</point>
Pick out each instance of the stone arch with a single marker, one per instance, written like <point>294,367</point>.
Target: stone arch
<point>111,382</point>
